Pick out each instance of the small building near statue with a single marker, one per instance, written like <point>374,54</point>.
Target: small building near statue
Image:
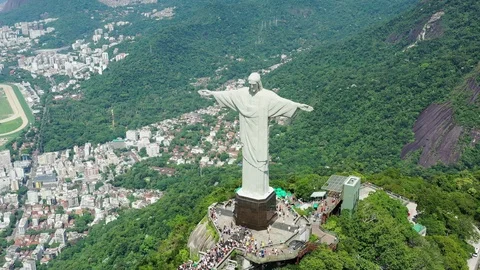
<point>345,188</point>
<point>351,193</point>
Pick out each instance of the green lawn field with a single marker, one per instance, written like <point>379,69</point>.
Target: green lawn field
<point>5,109</point>
<point>10,125</point>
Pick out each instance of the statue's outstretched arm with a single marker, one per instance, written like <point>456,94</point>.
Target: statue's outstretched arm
<point>224,98</point>
<point>305,107</point>
<point>205,93</point>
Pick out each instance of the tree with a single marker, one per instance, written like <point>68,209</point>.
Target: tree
<point>223,156</point>
<point>98,185</point>
<point>387,237</point>
<point>454,255</point>
<point>143,152</point>
<point>60,210</point>
<point>22,190</point>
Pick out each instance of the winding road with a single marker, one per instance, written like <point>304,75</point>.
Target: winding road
<point>16,108</point>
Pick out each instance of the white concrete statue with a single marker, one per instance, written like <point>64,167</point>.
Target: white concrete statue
<point>255,105</point>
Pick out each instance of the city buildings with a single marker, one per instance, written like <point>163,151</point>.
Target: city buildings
<point>5,159</point>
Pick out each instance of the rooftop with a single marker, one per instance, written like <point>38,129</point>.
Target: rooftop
<point>352,180</point>
<point>335,183</point>
<point>45,178</point>
<point>318,194</point>
<point>418,227</point>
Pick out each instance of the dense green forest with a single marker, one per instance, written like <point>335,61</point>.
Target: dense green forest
<point>368,91</point>
<point>155,237</point>
<point>200,39</point>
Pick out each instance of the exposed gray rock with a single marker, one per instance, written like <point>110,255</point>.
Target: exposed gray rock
<point>201,239</point>
<point>13,4</point>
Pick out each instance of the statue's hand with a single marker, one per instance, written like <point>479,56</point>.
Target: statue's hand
<point>305,107</point>
<point>205,93</point>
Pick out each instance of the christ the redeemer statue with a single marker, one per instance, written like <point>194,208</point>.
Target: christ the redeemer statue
<point>255,105</point>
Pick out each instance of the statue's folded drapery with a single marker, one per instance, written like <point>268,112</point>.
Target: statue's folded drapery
<point>255,111</point>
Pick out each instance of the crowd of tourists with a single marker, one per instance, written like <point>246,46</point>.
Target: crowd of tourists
<point>213,257</point>
<point>237,237</point>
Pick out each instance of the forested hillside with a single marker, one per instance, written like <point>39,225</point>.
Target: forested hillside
<point>156,237</point>
<point>369,91</point>
<point>222,39</point>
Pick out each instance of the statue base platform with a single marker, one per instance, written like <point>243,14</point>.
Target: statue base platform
<point>255,214</point>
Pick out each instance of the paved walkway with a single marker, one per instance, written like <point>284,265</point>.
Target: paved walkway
<point>324,237</point>
<point>16,108</point>
<point>473,262</point>
<point>281,230</point>
<point>270,245</point>
<point>366,189</point>
<point>273,241</point>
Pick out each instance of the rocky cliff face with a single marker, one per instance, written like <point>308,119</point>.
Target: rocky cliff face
<point>423,30</point>
<point>437,134</point>
<point>474,87</point>
<point>13,4</point>
<point>201,238</point>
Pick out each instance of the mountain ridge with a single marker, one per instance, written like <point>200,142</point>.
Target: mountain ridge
<point>392,85</point>
<point>168,61</point>
<point>367,95</point>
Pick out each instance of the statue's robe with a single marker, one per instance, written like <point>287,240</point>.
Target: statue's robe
<point>255,111</point>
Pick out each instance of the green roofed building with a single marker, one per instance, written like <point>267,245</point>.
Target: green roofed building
<point>280,193</point>
<point>420,229</point>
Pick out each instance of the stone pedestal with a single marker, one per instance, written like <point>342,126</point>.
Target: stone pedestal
<point>255,214</point>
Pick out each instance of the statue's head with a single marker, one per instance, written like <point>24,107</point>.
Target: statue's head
<point>255,84</point>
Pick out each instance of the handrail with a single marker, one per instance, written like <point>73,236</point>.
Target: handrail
<point>331,233</point>
<point>290,238</point>
<point>210,220</point>
<point>368,184</point>
<point>224,259</point>
<point>271,258</point>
